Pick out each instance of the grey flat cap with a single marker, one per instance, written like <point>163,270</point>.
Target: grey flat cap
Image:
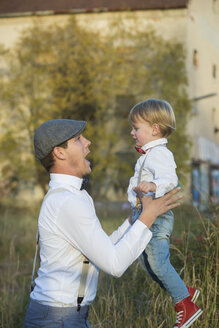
<point>53,133</point>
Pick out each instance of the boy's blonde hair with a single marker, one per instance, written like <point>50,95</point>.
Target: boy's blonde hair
<point>155,111</point>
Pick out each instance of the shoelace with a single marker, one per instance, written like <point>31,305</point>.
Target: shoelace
<point>179,316</point>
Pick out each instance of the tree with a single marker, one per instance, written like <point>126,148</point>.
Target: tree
<point>70,72</point>
<point>50,74</point>
<point>147,66</point>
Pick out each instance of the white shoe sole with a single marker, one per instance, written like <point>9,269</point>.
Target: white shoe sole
<point>189,322</point>
<point>195,296</point>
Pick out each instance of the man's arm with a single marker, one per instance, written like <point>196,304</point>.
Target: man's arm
<point>83,230</point>
<point>117,234</point>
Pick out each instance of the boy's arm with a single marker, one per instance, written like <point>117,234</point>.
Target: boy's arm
<point>160,162</point>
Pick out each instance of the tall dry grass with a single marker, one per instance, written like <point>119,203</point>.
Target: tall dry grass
<point>17,231</point>
<point>133,301</point>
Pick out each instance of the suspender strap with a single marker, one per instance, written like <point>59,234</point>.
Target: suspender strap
<point>83,280</point>
<point>85,265</point>
<point>138,202</point>
<point>141,169</point>
<point>34,262</point>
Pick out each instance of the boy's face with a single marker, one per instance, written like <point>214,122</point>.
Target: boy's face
<point>142,132</point>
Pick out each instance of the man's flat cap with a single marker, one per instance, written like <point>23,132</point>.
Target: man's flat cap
<point>53,133</point>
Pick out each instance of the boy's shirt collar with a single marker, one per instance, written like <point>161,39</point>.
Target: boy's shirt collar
<point>151,144</point>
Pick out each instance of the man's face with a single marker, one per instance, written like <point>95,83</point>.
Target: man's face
<point>75,154</point>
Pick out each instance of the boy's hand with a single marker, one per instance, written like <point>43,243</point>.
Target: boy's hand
<point>155,207</point>
<point>146,187</point>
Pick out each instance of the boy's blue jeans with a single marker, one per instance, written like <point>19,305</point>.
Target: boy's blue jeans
<point>156,257</point>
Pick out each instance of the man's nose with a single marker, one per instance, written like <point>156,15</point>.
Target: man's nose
<point>86,142</point>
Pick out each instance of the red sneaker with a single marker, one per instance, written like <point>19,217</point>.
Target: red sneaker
<point>186,313</point>
<point>194,294</point>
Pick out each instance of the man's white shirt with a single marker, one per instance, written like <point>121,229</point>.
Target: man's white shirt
<point>159,167</point>
<point>68,227</point>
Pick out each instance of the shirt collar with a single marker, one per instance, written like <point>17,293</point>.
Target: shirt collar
<point>65,179</point>
<point>151,144</point>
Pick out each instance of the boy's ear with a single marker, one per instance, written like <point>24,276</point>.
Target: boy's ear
<point>58,152</point>
<point>156,129</point>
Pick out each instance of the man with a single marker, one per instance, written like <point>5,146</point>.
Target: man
<point>69,231</point>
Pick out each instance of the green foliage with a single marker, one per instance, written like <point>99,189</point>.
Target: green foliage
<point>70,72</point>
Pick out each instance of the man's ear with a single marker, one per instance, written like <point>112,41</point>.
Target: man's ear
<point>59,153</point>
<point>156,129</point>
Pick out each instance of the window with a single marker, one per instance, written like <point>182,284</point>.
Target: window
<point>214,5</point>
<point>200,184</point>
<point>214,187</point>
<point>213,114</point>
<point>196,185</point>
<point>195,58</point>
<point>214,71</point>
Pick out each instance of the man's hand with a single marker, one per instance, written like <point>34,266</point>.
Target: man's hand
<point>146,187</point>
<point>155,207</point>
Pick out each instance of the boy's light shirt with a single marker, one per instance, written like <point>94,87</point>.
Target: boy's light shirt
<point>159,168</point>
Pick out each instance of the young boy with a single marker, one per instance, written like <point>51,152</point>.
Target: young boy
<point>152,122</point>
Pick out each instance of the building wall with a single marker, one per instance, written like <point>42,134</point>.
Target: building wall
<point>197,27</point>
<point>11,28</point>
<point>163,21</point>
<point>203,36</point>
<point>203,75</point>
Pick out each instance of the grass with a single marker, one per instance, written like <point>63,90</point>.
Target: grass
<point>133,301</point>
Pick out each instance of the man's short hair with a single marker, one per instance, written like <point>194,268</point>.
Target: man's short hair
<point>49,160</point>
